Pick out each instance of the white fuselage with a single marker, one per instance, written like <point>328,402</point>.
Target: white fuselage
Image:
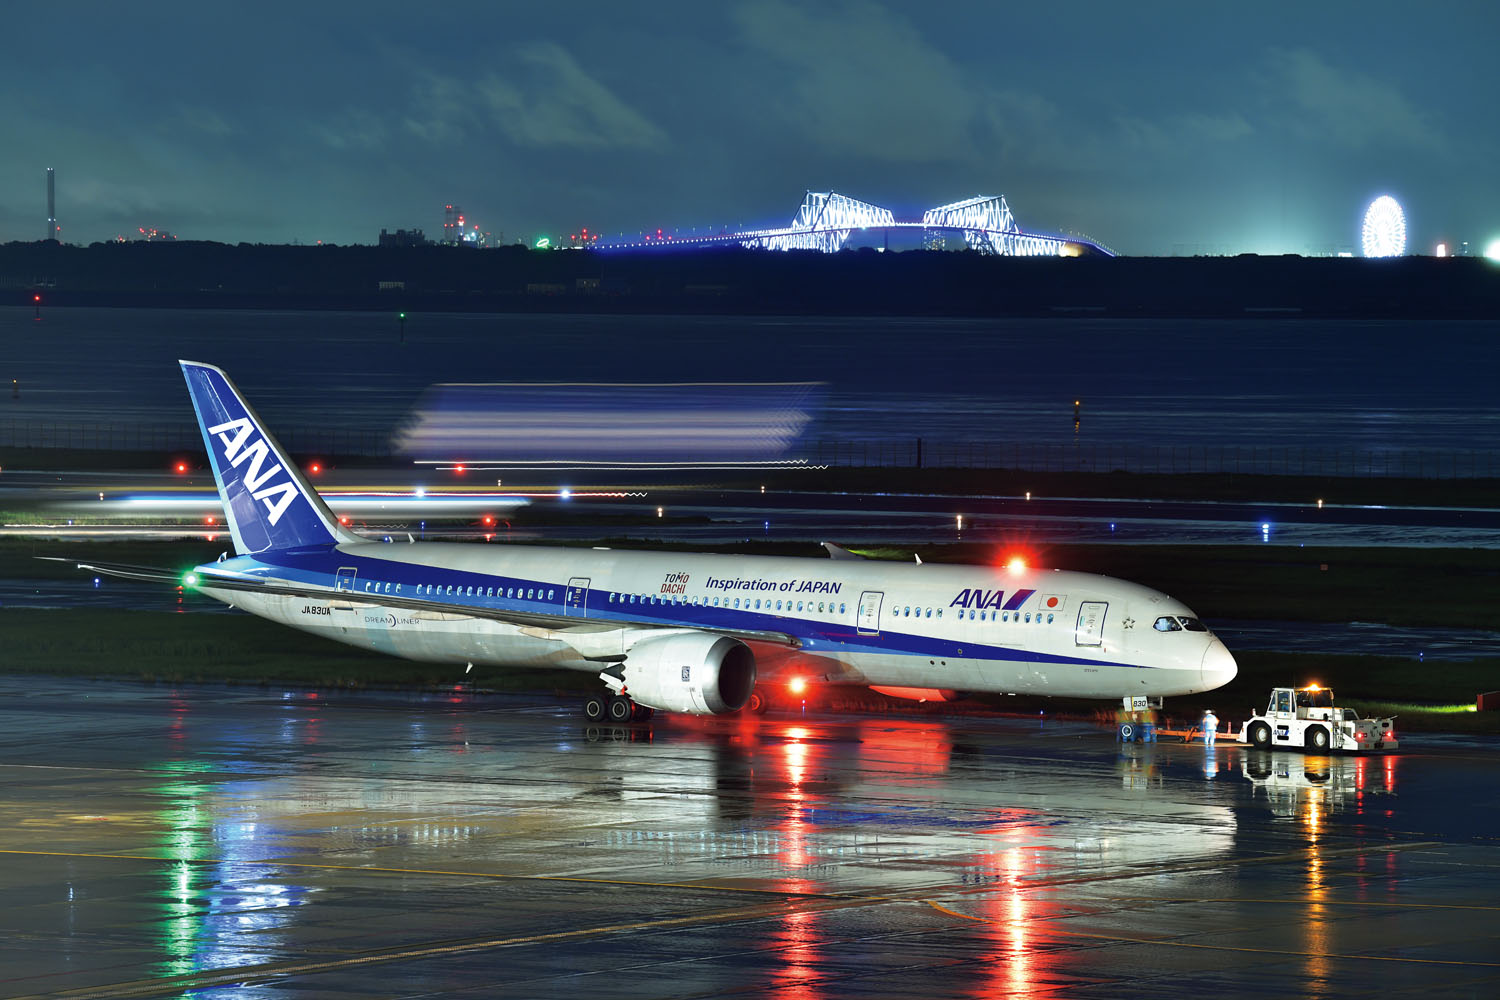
<point>966,628</point>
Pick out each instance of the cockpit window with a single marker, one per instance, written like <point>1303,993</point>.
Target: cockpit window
<point>1192,624</point>
<point>1166,623</point>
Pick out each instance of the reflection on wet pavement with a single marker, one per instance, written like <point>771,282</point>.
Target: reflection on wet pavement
<point>158,840</point>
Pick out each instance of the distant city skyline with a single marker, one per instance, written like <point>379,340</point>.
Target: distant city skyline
<point>1173,128</point>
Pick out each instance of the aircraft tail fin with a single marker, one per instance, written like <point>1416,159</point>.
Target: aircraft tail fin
<point>270,506</point>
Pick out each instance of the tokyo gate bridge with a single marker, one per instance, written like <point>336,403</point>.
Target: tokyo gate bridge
<point>826,221</point>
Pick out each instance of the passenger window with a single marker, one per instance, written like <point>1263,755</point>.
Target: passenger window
<point>1028,618</point>
<point>928,614</point>
<point>1049,619</point>
<point>841,609</point>
<point>550,594</point>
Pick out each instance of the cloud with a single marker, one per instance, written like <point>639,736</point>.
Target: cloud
<point>203,121</point>
<point>356,129</point>
<point>442,109</point>
<point>1346,107</point>
<point>858,80</point>
<point>559,104</point>
<point>1182,134</point>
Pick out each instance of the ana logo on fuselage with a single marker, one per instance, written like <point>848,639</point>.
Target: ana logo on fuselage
<point>981,598</point>
<point>240,449</point>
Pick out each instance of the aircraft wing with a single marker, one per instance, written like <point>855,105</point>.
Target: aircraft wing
<point>125,571</point>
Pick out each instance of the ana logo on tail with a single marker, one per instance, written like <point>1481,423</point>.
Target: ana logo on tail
<point>239,449</point>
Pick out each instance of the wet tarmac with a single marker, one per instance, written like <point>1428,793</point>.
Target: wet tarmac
<point>156,841</point>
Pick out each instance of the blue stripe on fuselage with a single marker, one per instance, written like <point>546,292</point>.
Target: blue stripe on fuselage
<point>318,567</point>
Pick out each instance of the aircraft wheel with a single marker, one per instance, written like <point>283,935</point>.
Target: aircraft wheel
<point>758,703</point>
<point>1317,738</point>
<point>620,709</point>
<point>593,707</point>
<point>1260,735</point>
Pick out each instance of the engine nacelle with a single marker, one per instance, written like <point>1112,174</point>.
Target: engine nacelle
<point>696,672</point>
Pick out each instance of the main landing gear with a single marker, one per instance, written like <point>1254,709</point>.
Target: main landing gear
<point>614,708</point>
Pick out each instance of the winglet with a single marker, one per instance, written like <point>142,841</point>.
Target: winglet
<point>839,552</point>
<point>268,503</point>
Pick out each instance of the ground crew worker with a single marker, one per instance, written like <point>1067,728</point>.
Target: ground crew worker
<point>1210,727</point>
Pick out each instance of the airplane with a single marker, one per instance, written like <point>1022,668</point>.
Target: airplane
<point>690,633</point>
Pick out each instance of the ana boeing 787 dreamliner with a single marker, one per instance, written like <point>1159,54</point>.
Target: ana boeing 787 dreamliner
<point>679,632</point>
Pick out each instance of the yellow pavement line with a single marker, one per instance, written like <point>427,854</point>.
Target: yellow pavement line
<point>436,871</point>
<point>1050,927</point>
<point>1298,901</point>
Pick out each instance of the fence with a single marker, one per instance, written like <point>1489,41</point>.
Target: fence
<point>1277,460</point>
<point>903,453</point>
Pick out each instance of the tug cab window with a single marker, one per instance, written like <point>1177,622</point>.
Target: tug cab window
<point>1321,698</point>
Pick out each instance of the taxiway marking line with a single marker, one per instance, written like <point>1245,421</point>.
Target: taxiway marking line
<point>1296,901</point>
<point>306,865</point>
<point>276,970</point>
<point>1049,928</point>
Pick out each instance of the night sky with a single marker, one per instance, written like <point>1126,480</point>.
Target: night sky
<point>1156,128</point>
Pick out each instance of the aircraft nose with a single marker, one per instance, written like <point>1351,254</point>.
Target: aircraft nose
<point>1218,666</point>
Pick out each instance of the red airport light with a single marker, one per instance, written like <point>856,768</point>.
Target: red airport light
<point>344,519</point>
<point>181,468</point>
<point>315,468</point>
<point>458,469</point>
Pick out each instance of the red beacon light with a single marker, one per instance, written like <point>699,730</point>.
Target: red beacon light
<point>180,467</point>
<point>797,685</point>
<point>315,468</point>
<point>1016,564</point>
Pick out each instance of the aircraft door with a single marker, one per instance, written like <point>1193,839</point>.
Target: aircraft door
<point>577,600</point>
<point>869,612</point>
<point>345,579</point>
<point>1090,629</point>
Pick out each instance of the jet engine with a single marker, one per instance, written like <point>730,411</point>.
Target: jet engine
<point>696,672</point>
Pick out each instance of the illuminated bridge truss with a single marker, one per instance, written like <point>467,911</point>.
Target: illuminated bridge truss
<point>824,222</point>
<point>989,227</point>
<point>827,219</point>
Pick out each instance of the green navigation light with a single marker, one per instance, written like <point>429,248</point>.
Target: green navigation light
<point>190,579</point>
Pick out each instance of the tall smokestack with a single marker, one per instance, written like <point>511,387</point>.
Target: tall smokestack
<point>51,204</point>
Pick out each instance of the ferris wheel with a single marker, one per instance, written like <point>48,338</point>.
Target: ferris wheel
<point>1384,231</point>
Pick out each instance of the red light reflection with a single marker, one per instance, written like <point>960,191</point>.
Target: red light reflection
<point>796,937</point>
